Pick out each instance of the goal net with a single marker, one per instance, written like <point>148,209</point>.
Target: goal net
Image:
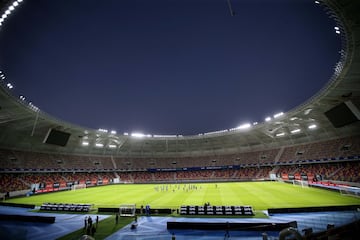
<point>78,186</point>
<point>127,210</point>
<point>350,191</point>
<point>301,183</point>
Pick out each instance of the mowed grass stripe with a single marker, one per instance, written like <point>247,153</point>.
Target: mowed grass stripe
<point>260,195</point>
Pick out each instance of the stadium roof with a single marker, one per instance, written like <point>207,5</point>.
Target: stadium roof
<point>23,126</point>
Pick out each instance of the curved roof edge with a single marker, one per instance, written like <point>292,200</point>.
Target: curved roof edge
<point>24,127</point>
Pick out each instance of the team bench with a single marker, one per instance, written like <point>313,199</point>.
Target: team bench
<point>65,207</point>
<point>216,210</point>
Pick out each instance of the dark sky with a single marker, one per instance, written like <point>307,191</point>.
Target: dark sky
<point>167,66</point>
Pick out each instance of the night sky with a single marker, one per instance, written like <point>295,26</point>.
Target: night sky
<point>167,66</point>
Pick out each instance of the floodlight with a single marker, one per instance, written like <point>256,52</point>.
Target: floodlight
<point>102,130</point>
<point>99,145</point>
<point>336,28</point>
<point>164,136</point>
<point>139,135</point>
<point>7,12</point>
<point>278,114</point>
<point>337,31</point>
<point>267,119</point>
<point>112,146</point>
<point>280,134</point>
<point>244,126</point>
<point>15,4</point>
<point>255,123</point>
<point>22,97</point>
<point>296,130</point>
<point>10,86</point>
<point>85,143</point>
<point>11,8</point>
<point>113,132</point>
<point>317,2</point>
<point>312,126</point>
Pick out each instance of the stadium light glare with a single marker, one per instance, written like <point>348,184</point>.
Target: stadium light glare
<point>16,3</point>
<point>85,143</point>
<point>10,86</point>
<point>11,8</point>
<point>337,31</point>
<point>100,145</point>
<point>112,146</point>
<point>317,2</point>
<point>312,126</point>
<point>22,97</point>
<point>7,12</point>
<point>255,123</point>
<point>267,119</point>
<point>113,132</point>
<point>280,134</point>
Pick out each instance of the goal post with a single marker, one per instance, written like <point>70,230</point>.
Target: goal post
<point>350,191</point>
<point>127,210</point>
<point>78,186</point>
<point>301,183</point>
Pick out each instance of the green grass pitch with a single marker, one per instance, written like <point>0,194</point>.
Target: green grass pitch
<point>259,195</point>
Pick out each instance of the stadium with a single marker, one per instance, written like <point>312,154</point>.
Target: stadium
<point>294,176</point>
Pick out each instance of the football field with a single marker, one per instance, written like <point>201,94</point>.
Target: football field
<point>259,195</point>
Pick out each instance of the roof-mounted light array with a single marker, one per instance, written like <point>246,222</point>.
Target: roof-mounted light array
<point>337,30</point>
<point>295,130</point>
<point>86,143</point>
<point>9,10</point>
<point>33,107</point>
<point>102,130</point>
<point>2,79</point>
<point>277,115</point>
<point>140,135</point>
<point>10,86</point>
